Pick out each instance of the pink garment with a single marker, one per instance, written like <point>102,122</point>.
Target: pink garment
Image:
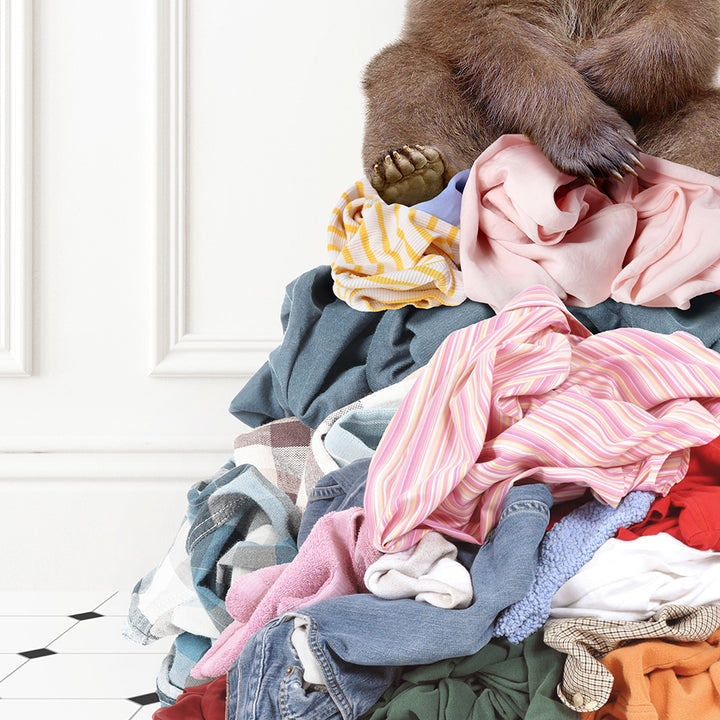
<point>331,562</point>
<point>530,393</point>
<point>651,241</point>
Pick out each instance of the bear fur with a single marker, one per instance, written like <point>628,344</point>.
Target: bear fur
<point>590,82</point>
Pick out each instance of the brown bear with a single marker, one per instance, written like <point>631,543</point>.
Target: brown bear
<point>588,81</point>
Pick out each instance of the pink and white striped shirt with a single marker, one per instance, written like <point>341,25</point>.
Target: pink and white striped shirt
<point>532,394</point>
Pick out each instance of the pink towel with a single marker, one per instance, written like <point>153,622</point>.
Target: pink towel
<point>650,241</point>
<point>331,562</point>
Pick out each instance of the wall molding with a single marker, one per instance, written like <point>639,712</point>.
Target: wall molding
<point>177,352</point>
<point>16,188</point>
<point>111,458</point>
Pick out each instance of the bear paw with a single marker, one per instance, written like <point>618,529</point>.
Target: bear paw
<point>409,175</point>
<point>599,143</point>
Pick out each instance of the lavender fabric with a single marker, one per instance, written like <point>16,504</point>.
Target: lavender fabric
<point>566,547</point>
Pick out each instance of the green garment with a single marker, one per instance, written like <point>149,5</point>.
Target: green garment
<point>503,681</point>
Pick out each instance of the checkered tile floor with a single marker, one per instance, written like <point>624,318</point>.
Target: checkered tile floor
<point>62,656</point>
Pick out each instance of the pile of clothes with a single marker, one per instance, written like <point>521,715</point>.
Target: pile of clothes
<point>481,477</point>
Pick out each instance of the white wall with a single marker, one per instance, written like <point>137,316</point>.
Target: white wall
<point>166,168</point>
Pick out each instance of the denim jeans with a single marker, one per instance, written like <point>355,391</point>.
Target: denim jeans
<point>267,680</point>
<point>357,640</point>
<point>338,490</point>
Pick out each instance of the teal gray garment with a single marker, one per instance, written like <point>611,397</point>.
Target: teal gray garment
<point>357,434</point>
<point>332,355</point>
<point>502,681</point>
<point>174,673</point>
<point>701,319</point>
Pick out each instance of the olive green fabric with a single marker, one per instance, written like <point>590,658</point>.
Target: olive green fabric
<point>503,681</point>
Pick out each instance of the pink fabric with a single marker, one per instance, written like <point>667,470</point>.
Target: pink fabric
<point>651,241</point>
<point>331,562</point>
<point>530,393</point>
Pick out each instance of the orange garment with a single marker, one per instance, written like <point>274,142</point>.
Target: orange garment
<point>659,680</point>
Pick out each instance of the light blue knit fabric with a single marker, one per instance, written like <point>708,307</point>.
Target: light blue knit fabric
<point>566,547</point>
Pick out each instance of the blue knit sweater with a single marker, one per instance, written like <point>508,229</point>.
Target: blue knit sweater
<point>566,547</point>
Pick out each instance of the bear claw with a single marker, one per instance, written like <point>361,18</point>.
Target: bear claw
<point>409,175</point>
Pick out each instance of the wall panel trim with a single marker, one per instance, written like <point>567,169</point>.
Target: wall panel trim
<point>109,458</point>
<point>16,89</point>
<point>177,352</point>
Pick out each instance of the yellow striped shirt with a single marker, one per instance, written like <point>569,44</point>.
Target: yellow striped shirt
<point>387,256</point>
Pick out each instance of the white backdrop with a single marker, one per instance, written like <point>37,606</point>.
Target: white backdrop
<point>167,168</point>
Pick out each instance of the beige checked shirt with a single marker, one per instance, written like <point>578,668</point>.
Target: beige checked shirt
<point>587,683</point>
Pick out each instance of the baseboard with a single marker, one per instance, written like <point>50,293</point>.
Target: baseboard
<point>110,466</point>
<point>98,519</point>
<point>90,458</point>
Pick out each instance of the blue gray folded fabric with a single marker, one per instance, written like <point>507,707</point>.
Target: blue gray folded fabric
<point>332,355</point>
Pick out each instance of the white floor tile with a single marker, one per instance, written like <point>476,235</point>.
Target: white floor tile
<point>51,603</point>
<point>104,635</point>
<point>146,712</point>
<point>118,604</point>
<point>18,634</point>
<point>67,709</point>
<point>83,676</point>
<point>8,663</point>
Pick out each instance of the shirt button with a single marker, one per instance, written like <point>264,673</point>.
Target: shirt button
<point>289,670</point>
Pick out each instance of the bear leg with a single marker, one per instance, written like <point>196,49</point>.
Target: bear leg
<point>420,128</point>
<point>689,136</point>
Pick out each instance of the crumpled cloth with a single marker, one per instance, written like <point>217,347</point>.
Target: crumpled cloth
<point>427,572</point>
<point>652,240</point>
<point>199,702</point>
<point>691,510</point>
<point>657,679</point>
<point>587,684</point>
<point>502,681</point>
<point>565,549</point>
<point>531,394</point>
<point>387,256</point>
<point>331,562</point>
<point>633,580</point>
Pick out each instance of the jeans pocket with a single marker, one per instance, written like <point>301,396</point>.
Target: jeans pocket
<point>297,699</point>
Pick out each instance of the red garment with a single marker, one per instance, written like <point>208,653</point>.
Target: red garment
<point>199,702</point>
<point>561,509</point>
<point>690,511</point>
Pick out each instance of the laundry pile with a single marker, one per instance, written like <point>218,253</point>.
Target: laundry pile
<point>481,477</point>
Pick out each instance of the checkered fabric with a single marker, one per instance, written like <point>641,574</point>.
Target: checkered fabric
<point>236,522</point>
<point>242,518</point>
<point>586,684</point>
<point>320,462</point>
<point>279,450</point>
